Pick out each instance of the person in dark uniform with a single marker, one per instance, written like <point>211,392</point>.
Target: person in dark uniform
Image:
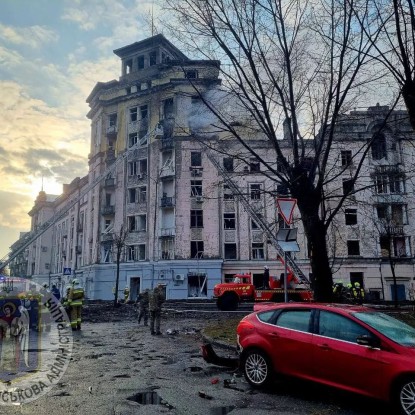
<point>266,278</point>
<point>157,298</point>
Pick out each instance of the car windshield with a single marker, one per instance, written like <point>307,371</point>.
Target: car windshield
<point>390,327</point>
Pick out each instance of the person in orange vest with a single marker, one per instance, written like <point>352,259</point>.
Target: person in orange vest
<point>74,301</point>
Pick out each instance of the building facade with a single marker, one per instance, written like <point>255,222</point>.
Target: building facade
<point>154,198</point>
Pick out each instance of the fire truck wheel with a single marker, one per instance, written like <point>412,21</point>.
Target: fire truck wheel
<point>228,302</point>
<point>257,368</point>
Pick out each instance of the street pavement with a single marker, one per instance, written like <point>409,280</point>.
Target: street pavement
<point>118,368</point>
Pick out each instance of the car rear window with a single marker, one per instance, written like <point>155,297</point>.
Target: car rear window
<point>295,319</point>
<point>390,327</point>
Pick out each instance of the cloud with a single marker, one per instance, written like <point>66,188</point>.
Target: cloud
<point>32,36</point>
<point>14,209</point>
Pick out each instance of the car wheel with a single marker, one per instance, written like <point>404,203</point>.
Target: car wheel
<point>228,302</point>
<point>405,396</point>
<point>257,368</point>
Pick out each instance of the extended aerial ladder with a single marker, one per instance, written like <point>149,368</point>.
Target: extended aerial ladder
<point>259,219</point>
<point>30,237</point>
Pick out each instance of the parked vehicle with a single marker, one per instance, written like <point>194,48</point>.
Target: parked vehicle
<point>351,347</point>
<point>229,294</point>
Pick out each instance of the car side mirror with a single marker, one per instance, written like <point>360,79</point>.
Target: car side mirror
<point>366,340</point>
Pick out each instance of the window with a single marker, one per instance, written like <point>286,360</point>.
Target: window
<point>196,188</point>
<point>227,193</point>
<point>107,225</point>
<point>254,225</point>
<point>398,215</point>
<point>132,195</point>
<point>385,245</point>
<point>140,62</point>
<point>128,66</point>
<point>196,249</point>
<point>191,74</point>
<point>133,114</point>
<point>141,252</point>
<point>281,222</point>
<point>153,57</point>
<point>255,191</point>
<point>107,256</point>
<point>228,164</point>
<point>351,216</point>
<point>142,223</point>
<point>353,248</point>
<point>346,158</point>
<point>144,112</point>
<point>254,164</point>
<point>379,147</point>
<point>143,166</point>
<point>381,183</point>
<point>229,220</point>
<point>131,223</point>
<point>382,211</point>
<point>395,184</point>
<point>196,159</point>
<point>257,251</point>
<point>339,327</point>
<point>132,139</point>
<point>295,320</point>
<point>131,253</point>
<point>112,120</point>
<point>142,194</point>
<point>348,186</point>
<point>132,168</point>
<point>230,251</point>
<point>196,218</point>
<point>136,252</point>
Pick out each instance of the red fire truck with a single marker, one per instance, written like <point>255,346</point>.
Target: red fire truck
<point>229,295</point>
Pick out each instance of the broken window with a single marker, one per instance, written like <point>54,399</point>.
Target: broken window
<point>385,244</point>
<point>196,188</point>
<point>229,221</point>
<point>230,251</point>
<point>227,193</point>
<point>168,107</point>
<point>132,168</point>
<point>398,215</point>
<point>379,147</point>
<point>197,284</point>
<point>112,120</point>
<point>128,66</point>
<point>142,194</point>
<point>191,74</point>
<point>196,159</point>
<point>132,224</point>
<point>131,254</point>
<point>132,139</point>
<point>142,223</point>
<point>196,249</point>
<point>133,114</point>
<point>353,248</point>
<point>140,62</point>
<point>254,164</point>
<point>153,57</point>
<point>228,163</point>
<point>348,186</point>
<point>351,216</point>
<point>167,248</point>
<point>381,182</point>
<point>132,195</point>
<point>346,156</point>
<point>255,191</point>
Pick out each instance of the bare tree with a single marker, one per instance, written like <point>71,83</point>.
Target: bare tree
<point>394,43</point>
<point>294,67</point>
<point>119,244</point>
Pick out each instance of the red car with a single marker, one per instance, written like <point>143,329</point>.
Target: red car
<point>354,348</point>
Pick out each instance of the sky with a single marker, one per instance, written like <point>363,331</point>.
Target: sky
<point>52,53</point>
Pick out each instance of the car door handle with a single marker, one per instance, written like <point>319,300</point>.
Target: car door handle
<point>324,346</point>
<point>273,334</point>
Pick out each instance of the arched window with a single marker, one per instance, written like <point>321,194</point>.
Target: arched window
<point>379,147</point>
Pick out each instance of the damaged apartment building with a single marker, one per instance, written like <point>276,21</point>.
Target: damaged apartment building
<point>154,199</point>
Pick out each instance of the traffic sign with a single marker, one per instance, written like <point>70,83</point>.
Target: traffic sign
<point>286,208</point>
<point>67,271</point>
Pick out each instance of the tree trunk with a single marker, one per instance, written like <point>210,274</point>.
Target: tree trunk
<point>309,201</point>
<point>408,93</point>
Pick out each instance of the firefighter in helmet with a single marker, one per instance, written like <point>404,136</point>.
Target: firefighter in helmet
<point>126,294</point>
<point>358,293</point>
<point>74,301</point>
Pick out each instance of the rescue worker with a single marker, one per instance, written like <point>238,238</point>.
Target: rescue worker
<point>156,299</point>
<point>143,301</point>
<point>55,292</point>
<point>74,301</point>
<point>126,294</point>
<point>45,321</point>
<point>338,289</point>
<point>358,293</point>
<point>266,278</point>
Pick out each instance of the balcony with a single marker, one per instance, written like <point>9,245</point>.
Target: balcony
<point>389,169</point>
<point>112,131</point>
<point>166,144</point>
<point>138,126</point>
<point>109,183</point>
<point>393,230</point>
<point>107,237</point>
<point>108,210</point>
<point>166,232</point>
<point>167,171</point>
<point>167,201</point>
